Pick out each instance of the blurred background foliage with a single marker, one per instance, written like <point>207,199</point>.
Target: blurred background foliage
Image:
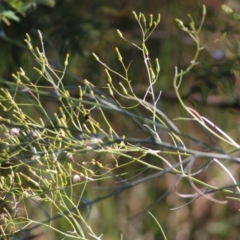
<point>80,27</point>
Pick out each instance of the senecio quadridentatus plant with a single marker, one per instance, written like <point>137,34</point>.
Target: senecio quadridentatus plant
<point>48,153</point>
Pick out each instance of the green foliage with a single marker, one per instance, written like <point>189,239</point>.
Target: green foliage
<point>9,8</point>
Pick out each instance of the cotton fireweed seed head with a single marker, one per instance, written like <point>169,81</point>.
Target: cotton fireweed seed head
<point>33,134</point>
<point>76,178</point>
<point>14,131</point>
